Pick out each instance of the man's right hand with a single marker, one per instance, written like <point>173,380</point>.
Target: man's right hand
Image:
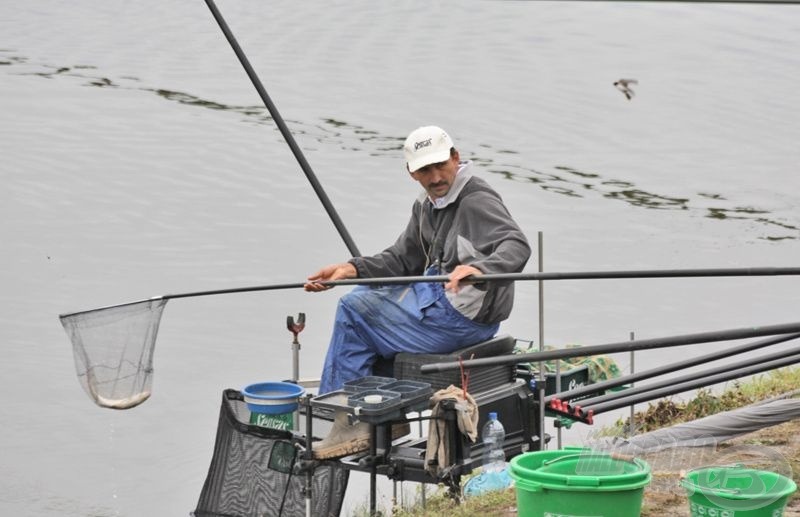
<point>330,273</point>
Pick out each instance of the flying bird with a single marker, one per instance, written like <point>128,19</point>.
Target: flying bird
<point>623,85</point>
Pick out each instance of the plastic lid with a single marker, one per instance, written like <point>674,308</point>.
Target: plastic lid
<point>492,416</point>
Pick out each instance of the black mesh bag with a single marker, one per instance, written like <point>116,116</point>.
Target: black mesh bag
<point>251,472</point>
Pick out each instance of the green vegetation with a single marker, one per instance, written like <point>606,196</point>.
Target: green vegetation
<point>666,412</point>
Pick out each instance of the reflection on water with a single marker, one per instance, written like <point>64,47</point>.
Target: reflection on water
<point>191,100</point>
<point>562,180</point>
<point>380,144</point>
<point>571,182</point>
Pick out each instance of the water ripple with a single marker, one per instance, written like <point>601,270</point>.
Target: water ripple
<point>562,180</point>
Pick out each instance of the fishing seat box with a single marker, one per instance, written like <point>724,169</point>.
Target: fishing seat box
<point>407,366</point>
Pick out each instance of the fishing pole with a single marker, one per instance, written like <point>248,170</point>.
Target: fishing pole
<point>100,334</point>
<point>287,135</point>
<point>589,411</point>
<point>669,368</point>
<point>592,401</point>
<point>623,346</point>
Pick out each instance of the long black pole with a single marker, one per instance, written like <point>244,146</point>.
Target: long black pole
<point>287,135</point>
<point>664,383</point>
<point>624,346</point>
<point>647,273</point>
<point>669,368</point>
<point>499,277</point>
<point>505,277</point>
<point>686,386</point>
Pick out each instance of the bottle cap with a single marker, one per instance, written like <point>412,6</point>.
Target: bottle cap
<point>493,416</point>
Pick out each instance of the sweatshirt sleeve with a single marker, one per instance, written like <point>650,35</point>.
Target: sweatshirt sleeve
<point>488,238</point>
<point>405,257</point>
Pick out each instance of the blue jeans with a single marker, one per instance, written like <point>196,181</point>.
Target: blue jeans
<point>383,321</point>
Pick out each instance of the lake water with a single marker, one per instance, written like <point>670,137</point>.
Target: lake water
<point>137,160</point>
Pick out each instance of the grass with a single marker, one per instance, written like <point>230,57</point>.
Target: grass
<point>493,504</point>
<point>663,497</point>
<point>667,412</point>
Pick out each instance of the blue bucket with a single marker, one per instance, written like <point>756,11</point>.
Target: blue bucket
<point>272,398</point>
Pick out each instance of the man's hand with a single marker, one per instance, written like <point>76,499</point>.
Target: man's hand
<point>329,273</point>
<point>460,272</point>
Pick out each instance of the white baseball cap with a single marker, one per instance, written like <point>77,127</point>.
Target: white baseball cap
<point>426,145</point>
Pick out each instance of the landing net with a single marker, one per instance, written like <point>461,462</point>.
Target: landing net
<point>113,351</point>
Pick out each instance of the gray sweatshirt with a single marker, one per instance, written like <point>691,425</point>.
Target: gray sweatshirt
<point>474,228</point>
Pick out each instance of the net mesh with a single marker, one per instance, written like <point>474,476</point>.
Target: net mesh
<point>251,472</point>
<point>113,351</point>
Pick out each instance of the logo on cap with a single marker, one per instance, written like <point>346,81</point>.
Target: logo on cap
<point>421,144</point>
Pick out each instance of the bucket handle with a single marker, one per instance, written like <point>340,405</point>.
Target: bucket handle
<point>556,460</point>
<point>620,457</point>
<point>729,466</point>
<point>695,486</point>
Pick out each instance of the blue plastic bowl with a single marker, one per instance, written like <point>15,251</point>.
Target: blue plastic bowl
<point>273,398</point>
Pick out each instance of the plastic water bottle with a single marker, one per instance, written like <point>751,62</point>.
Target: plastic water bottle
<point>493,435</point>
<point>494,475</point>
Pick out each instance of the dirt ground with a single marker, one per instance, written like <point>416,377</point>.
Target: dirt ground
<point>775,449</point>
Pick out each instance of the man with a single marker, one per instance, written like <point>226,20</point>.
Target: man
<point>459,227</point>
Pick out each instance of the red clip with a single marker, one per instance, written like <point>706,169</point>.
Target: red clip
<point>464,375</point>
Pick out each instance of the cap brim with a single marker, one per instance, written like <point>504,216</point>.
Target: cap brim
<point>435,157</point>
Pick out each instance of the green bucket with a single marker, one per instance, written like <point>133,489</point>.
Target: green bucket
<point>735,490</point>
<point>578,483</point>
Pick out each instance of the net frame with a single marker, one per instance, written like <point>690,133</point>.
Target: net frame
<point>113,350</point>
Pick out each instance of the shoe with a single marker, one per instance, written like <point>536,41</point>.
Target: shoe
<point>346,438</point>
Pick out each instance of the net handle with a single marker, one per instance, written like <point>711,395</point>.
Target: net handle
<point>496,277</point>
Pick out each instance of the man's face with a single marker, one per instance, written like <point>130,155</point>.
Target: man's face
<point>437,178</point>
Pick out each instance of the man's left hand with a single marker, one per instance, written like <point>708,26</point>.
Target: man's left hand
<point>459,273</point>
